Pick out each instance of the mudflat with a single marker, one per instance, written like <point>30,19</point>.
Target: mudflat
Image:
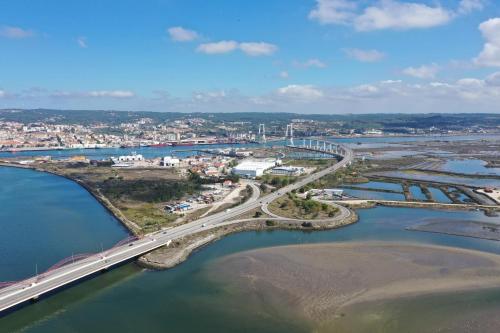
<point>319,280</point>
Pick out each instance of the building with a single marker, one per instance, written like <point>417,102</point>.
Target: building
<point>129,158</point>
<point>170,162</point>
<point>253,168</point>
<point>288,171</point>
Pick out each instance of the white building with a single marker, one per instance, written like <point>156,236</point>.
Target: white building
<point>170,162</point>
<point>253,168</point>
<point>128,158</point>
<point>288,170</point>
<point>131,158</point>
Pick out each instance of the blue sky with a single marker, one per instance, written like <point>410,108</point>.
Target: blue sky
<point>317,56</point>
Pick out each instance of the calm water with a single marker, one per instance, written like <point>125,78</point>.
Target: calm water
<point>467,181</point>
<point>150,152</point>
<point>147,152</point>
<point>45,218</point>
<point>375,195</point>
<point>129,299</point>
<point>438,195</point>
<point>469,166</point>
<point>380,185</point>
<point>417,193</point>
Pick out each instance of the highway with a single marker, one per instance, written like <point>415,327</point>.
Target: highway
<point>34,287</point>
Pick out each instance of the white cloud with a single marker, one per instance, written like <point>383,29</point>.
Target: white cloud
<point>209,95</point>
<point>333,11</point>
<point>15,32</point>
<point>224,46</point>
<point>111,93</point>
<point>365,55</point>
<point>422,72</point>
<point>310,63</point>
<point>2,93</point>
<point>258,49</point>
<point>82,42</point>
<point>253,49</point>
<point>302,92</point>
<point>493,79</point>
<point>490,55</point>
<point>180,34</point>
<point>284,75</point>
<point>465,95</point>
<point>389,14</point>
<point>94,93</point>
<point>467,6</point>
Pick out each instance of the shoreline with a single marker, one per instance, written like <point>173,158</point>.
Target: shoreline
<point>130,226</point>
<point>182,249</point>
<point>186,246</point>
<point>437,136</point>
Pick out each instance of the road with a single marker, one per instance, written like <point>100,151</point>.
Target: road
<point>33,287</point>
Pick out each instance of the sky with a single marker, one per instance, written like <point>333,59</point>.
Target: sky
<point>303,56</point>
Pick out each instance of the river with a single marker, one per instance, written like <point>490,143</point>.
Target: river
<point>44,218</point>
<point>129,299</point>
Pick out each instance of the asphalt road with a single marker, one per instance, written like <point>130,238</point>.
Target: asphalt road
<point>33,287</point>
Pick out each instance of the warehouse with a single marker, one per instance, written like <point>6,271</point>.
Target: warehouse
<point>253,168</point>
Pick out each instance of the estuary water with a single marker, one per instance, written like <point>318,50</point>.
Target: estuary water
<point>183,299</point>
<point>45,218</point>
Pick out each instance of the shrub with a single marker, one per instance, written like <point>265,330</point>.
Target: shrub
<point>270,223</point>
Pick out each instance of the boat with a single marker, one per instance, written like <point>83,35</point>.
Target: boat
<point>160,145</point>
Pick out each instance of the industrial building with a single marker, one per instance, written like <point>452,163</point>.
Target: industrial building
<point>253,168</point>
<point>170,162</point>
<point>288,171</point>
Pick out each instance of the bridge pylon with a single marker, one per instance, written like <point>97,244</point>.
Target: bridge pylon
<point>289,134</point>
<point>262,133</point>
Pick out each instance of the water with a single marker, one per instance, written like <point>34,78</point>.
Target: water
<point>147,152</point>
<point>469,167</point>
<point>422,176</point>
<point>439,196</point>
<point>380,186</point>
<point>150,152</point>
<point>129,299</point>
<point>374,195</point>
<point>463,198</point>
<point>417,193</point>
<point>45,218</point>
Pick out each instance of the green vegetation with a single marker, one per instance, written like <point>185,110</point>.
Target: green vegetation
<point>321,124</point>
<point>276,181</point>
<point>349,175</point>
<point>148,216</point>
<point>293,206</point>
<point>147,190</point>
<point>270,223</point>
<point>311,163</point>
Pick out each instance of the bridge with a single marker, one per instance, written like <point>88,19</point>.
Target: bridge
<point>78,267</point>
<point>319,146</point>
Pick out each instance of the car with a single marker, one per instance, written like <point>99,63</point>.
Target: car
<point>203,225</point>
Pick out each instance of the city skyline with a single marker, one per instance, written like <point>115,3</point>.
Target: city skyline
<point>324,56</point>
